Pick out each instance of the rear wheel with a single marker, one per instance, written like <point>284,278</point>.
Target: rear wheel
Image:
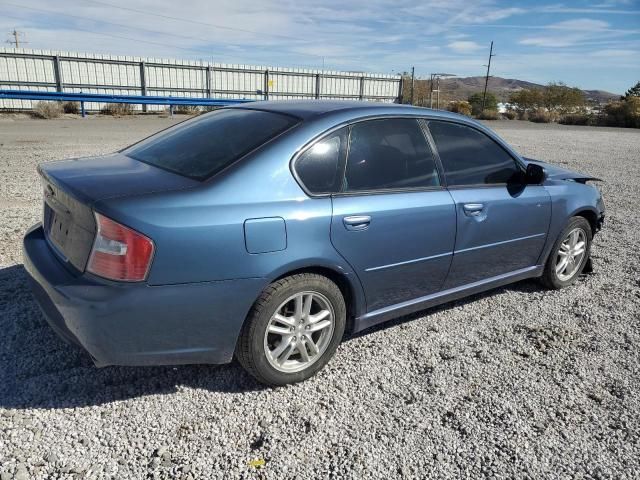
<point>569,254</point>
<point>293,329</point>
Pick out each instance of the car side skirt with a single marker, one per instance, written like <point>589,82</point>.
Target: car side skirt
<point>393,311</point>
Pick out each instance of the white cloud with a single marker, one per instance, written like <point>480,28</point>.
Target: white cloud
<point>587,24</point>
<point>464,46</point>
<point>479,13</point>
<point>615,52</point>
<point>575,32</point>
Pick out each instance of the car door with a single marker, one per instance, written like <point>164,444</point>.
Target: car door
<point>502,223</point>
<point>392,220</point>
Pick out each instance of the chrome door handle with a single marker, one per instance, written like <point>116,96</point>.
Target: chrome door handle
<point>357,222</point>
<point>473,209</point>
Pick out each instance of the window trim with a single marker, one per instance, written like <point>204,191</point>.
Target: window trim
<point>423,120</point>
<point>309,145</point>
<point>517,161</point>
<point>342,154</point>
<point>343,161</point>
<point>209,178</point>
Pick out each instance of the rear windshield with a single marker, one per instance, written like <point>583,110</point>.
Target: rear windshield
<point>201,147</point>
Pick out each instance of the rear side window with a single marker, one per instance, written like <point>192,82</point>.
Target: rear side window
<point>201,147</point>
<point>389,154</point>
<point>318,166</point>
<point>470,157</point>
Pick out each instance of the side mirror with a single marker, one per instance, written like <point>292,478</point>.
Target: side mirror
<point>535,174</point>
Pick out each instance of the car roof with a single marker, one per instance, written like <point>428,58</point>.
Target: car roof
<point>308,109</point>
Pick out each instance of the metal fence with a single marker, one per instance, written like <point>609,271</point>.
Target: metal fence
<point>24,69</point>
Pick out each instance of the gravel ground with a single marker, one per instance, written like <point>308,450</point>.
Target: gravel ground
<point>516,383</point>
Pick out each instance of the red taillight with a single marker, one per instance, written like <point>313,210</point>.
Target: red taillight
<point>119,253</point>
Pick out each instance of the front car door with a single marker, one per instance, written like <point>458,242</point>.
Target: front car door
<point>502,223</point>
<point>392,220</point>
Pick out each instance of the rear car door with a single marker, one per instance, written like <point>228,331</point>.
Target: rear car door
<point>502,223</point>
<point>392,219</point>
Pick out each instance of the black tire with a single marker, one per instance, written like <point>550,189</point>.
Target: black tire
<point>549,277</point>
<point>250,350</point>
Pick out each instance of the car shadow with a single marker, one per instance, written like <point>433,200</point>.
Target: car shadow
<point>39,370</point>
<point>525,286</point>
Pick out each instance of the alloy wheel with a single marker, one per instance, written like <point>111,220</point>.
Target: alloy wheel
<point>299,332</point>
<point>570,254</point>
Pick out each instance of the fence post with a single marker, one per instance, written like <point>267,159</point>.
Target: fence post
<point>209,85</point>
<point>57,72</point>
<point>143,84</point>
<point>266,84</point>
<point>317,86</point>
<point>362,88</point>
<point>400,85</point>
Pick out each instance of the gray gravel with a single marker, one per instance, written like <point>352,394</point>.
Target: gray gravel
<point>517,383</point>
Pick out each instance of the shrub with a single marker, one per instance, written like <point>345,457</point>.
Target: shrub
<point>623,113</point>
<point>541,116</point>
<point>577,119</point>
<point>71,107</point>
<point>46,109</point>
<point>117,109</point>
<point>186,109</point>
<point>510,115</point>
<point>489,115</point>
<point>461,107</point>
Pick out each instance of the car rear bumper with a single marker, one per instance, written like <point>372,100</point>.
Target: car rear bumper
<point>138,324</point>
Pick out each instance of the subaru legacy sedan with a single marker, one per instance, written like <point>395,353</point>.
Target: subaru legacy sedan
<point>266,231</point>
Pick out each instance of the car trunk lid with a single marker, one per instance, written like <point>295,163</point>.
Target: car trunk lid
<point>72,187</point>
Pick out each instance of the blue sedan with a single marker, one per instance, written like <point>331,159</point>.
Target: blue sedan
<point>266,231</point>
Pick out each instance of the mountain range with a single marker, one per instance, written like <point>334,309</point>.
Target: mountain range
<point>460,88</point>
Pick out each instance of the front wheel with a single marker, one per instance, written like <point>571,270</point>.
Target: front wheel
<point>293,329</point>
<point>569,255</point>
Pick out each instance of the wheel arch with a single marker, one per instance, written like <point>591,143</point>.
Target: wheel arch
<point>588,214</point>
<point>347,282</point>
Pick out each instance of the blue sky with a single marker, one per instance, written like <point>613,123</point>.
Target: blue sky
<point>589,44</point>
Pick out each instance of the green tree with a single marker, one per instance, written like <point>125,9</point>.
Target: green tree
<point>491,103</point>
<point>555,98</point>
<point>559,98</point>
<point>632,92</point>
<point>526,100</point>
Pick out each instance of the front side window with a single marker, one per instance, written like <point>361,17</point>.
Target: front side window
<point>201,147</point>
<point>470,157</point>
<point>389,154</point>
<point>318,166</point>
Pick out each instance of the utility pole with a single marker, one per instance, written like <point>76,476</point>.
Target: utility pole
<point>431,90</point>
<point>486,79</point>
<point>16,38</point>
<point>435,77</point>
<point>413,82</point>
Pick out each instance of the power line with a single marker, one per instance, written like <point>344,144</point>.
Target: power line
<point>122,37</point>
<point>188,20</point>
<point>53,12</point>
<point>199,39</point>
<point>149,42</point>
